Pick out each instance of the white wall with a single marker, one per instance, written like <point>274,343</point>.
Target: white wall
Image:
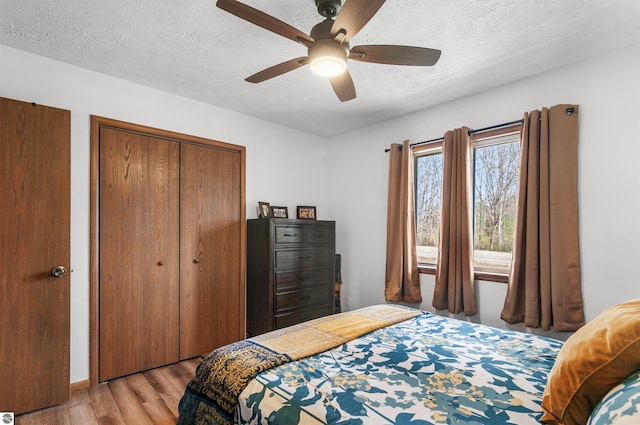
<point>276,156</point>
<point>608,92</point>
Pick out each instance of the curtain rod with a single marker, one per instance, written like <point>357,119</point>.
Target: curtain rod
<point>480,130</point>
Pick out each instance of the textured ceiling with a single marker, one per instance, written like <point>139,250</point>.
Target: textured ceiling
<point>194,49</point>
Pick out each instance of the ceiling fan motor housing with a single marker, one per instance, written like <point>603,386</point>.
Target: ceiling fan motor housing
<point>326,47</point>
<point>329,8</point>
<point>321,33</point>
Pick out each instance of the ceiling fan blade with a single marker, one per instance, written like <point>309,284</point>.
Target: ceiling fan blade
<point>343,86</point>
<point>395,55</point>
<point>263,20</point>
<point>354,15</point>
<point>279,69</point>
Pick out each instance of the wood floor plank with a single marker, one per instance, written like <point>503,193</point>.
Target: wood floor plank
<point>82,414</point>
<point>80,410</point>
<point>162,381</point>
<point>78,398</point>
<point>52,416</point>
<point>160,412</point>
<point>175,382</point>
<point>105,407</point>
<point>142,399</point>
<point>129,404</point>
<point>141,386</point>
<point>185,370</point>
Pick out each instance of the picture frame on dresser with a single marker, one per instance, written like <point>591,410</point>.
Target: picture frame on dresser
<point>279,212</point>
<point>305,212</point>
<point>264,209</point>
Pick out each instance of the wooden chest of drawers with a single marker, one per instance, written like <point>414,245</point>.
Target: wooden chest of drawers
<point>290,272</point>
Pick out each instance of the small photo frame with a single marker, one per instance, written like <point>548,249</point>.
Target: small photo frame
<point>264,209</point>
<point>279,212</point>
<point>306,212</point>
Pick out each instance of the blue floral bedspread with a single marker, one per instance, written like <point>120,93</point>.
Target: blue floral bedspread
<point>621,405</point>
<point>426,370</point>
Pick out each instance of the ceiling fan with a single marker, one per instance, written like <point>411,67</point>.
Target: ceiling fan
<point>328,42</point>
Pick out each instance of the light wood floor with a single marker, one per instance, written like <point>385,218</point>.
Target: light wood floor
<point>147,398</point>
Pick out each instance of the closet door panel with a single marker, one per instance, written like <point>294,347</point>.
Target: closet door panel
<point>139,249</point>
<point>210,249</point>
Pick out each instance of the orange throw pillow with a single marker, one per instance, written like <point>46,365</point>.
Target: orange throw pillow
<point>596,358</point>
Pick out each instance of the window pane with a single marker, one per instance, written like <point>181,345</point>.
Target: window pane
<point>428,187</point>
<point>496,169</point>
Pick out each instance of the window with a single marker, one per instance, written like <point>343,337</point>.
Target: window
<point>428,199</point>
<point>496,160</point>
<point>495,196</point>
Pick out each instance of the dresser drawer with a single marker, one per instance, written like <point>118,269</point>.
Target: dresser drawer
<point>301,258</point>
<point>303,297</point>
<point>301,278</point>
<point>318,234</point>
<point>296,317</point>
<point>288,234</point>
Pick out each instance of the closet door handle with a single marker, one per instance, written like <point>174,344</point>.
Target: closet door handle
<point>161,263</point>
<point>196,260</point>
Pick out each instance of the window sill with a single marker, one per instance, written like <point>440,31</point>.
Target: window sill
<point>490,277</point>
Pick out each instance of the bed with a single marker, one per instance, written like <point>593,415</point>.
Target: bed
<point>395,365</point>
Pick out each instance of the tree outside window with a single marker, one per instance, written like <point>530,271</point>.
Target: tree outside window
<point>496,170</point>
<point>428,199</point>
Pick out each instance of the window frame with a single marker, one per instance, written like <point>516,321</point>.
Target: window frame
<point>480,139</point>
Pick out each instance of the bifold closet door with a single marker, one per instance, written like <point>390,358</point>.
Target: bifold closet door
<point>211,273</point>
<point>34,255</point>
<point>139,253</point>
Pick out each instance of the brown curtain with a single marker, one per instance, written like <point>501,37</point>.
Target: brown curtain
<point>455,287</point>
<point>402,280</point>
<point>544,283</point>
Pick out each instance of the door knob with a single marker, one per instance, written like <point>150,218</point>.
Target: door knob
<point>58,271</point>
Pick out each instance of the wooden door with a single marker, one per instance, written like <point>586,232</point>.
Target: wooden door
<point>34,239</point>
<point>139,254</point>
<point>211,249</point>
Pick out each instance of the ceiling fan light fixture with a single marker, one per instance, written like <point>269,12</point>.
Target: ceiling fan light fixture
<point>328,66</point>
<point>327,59</point>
